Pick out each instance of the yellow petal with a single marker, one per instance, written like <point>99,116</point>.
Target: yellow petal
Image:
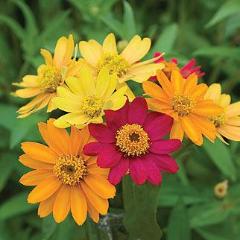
<point>109,44</point>
<point>66,104</point>
<point>47,56</point>
<point>44,190</point>
<point>30,81</point>
<point>78,205</point>
<point>190,83</point>
<point>213,92</point>
<point>136,49</point>
<point>224,100</point>
<point>230,132</point>
<point>233,110</point>
<point>100,185</point>
<point>177,131</point>
<point>28,92</point>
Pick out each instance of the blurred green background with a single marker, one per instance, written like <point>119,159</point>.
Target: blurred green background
<point>185,206</point>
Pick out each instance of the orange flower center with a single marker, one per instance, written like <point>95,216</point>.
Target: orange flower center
<point>92,106</point>
<point>218,121</point>
<point>132,140</point>
<point>182,105</point>
<point>70,169</point>
<point>116,64</point>
<point>50,78</point>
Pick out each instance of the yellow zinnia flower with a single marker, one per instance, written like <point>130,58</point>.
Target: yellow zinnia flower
<point>64,178</point>
<point>125,65</point>
<point>228,121</point>
<point>87,97</point>
<point>49,76</point>
<point>183,100</point>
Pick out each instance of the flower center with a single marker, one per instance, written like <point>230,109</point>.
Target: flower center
<point>92,106</point>
<point>115,63</point>
<point>218,121</point>
<point>182,105</point>
<point>50,78</point>
<point>132,140</point>
<point>70,169</point>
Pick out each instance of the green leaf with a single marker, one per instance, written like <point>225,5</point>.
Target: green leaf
<point>166,40</point>
<point>48,227</point>
<point>9,113</point>
<point>140,203</point>
<point>128,21</point>
<point>221,157</point>
<point>208,214</point>
<point>221,52</point>
<point>178,226</point>
<point>7,163</point>
<point>15,206</point>
<point>230,7</point>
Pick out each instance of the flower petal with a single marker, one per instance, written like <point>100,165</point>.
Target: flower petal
<point>166,163</point>
<point>165,146</point>
<point>138,171</point>
<point>35,177</point>
<point>46,206</point>
<point>102,133</point>
<point>109,44</point>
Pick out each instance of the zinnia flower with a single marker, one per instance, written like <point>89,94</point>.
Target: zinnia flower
<point>228,121</point>
<point>87,97</point>
<point>125,65</point>
<point>183,100</point>
<point>49,76</point>
<point>64,178</point>
<point>132,141</point>
<point>189,68</point>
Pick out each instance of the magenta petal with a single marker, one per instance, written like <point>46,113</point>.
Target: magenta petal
<point>137,111</point>
<point>116,119</point>
<point>137,170</point>
<point>101,133</point>
<point>165,146</point>
<point>153,172</point>
<point>118,171</point>
<point>166,163</point>
<point>108,157</point>
<point>157,125</point>
<point>93,148</point>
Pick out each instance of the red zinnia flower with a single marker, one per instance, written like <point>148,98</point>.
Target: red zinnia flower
<point>132,141</point>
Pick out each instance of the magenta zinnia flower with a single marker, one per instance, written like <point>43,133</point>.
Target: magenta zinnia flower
<point>132,142</point>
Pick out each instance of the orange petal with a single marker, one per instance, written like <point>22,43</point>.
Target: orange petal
<point>93,169</point>
<point>44,190</point>
<point>78,205</point>
<point>192,131</point>
<point>62,203</point>
<point>32,163</point>
<point>207,127</point>
<point>39,152</point>
<point>207,108</point>
<point>199,91</point>
<point>35,177</point>
<point>190,84</point>
<point>164,82</point>
<point>46,206</point>
<point>177,82</point>
<point>154,91</point>
<point>94,214</point>
<point>100,204</point>
<point>177,131</point>
<point>101,186</point>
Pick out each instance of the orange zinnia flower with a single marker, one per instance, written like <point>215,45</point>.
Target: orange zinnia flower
<point>65,179</point>
<point>49,76</point>
<point>183,100</point>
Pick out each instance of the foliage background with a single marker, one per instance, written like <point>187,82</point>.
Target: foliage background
<point>184,206</point>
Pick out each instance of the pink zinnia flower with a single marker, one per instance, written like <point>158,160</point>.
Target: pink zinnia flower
<point>132,142</point>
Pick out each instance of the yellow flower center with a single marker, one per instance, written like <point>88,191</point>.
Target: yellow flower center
<point>50,78</point>
<point>116,64</point>
<point>132,140</point>
<point>70,169</point>
<point>92,106</point>
<point>182,105</point>
<point>218,121</point>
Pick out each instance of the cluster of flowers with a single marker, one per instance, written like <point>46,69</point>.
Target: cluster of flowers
<point>113,133</point>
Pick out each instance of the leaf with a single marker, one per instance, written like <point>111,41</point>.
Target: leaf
<point>15,206</point>
<point>7,163</point>
<point>230,7</point>
<point>221,157</point>
<point>128,21</point>
<point>166,40</point>
<point>221,52</point>
<point>208,214</point>
<point>9,113</point>
<point>178,226</point>
<point>140,204</point>
<point>48,227</point>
